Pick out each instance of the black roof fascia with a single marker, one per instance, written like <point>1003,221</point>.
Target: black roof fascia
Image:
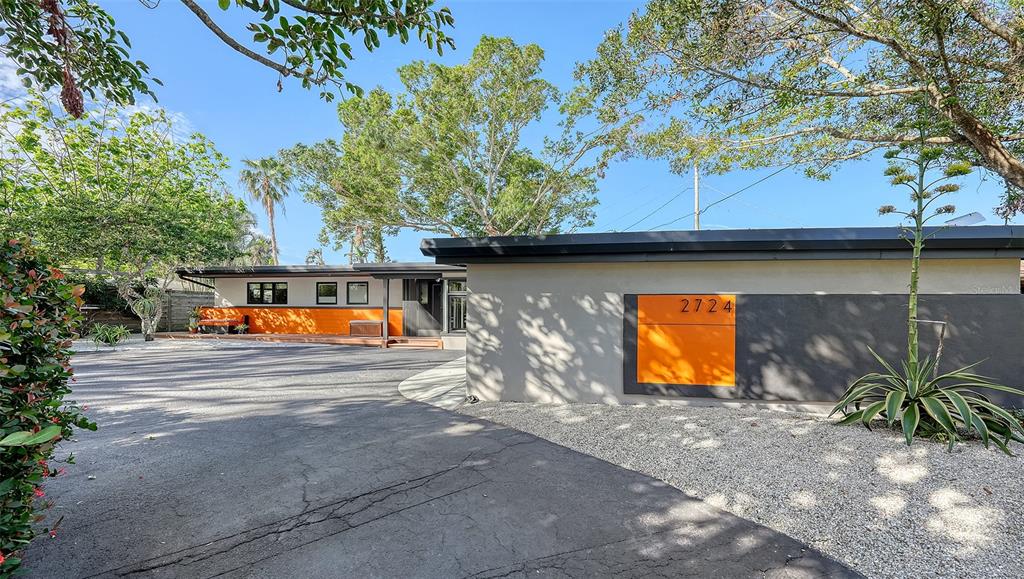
<point>359,269</point>
<point>822,243</point>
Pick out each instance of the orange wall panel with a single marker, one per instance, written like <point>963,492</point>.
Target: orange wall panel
<point>719,309</point>
<point>686,354</point>
<point>267,320</point>
<point>686,339</point>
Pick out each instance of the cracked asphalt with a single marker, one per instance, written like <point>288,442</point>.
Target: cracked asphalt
<point>264,460</point>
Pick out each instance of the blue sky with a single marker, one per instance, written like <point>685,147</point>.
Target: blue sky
<point>235,103</point>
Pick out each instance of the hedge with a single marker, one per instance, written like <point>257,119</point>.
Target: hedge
<point>39,313</point>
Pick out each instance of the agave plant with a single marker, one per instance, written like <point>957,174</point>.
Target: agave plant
<point>931,404</point>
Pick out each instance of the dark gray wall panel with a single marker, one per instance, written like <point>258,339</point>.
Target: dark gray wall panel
<point>810,347</point>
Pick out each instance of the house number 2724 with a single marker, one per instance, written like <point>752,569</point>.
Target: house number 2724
<point>710,305</point>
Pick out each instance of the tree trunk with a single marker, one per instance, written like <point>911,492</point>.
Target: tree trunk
<point>992,151</point>
<point>273,234</point>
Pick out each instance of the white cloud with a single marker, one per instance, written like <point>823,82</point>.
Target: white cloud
<point>12,92</point>
<point>10,84</point>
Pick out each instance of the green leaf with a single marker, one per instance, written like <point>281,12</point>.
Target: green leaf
<point>893,403</point>
<point>16,438</point>
<point>26,438</point>
<point>1010,420</point>
<point>911,417</point>
<point>870,412</point>
<point>854,394</point>
<point>852,417</point>
<point>981,427</point>
<point>937,410</point>
<point>45,435</point>
<point>961,405</point>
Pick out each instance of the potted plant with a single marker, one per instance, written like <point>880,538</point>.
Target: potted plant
<point>193,320</point>
<point>242,328</point>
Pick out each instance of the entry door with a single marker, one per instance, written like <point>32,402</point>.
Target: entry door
<point>435,300</point>
<point>421,307</point>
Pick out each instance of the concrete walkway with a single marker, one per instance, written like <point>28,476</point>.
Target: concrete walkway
<point>443,387</point>
<point>304,460</point>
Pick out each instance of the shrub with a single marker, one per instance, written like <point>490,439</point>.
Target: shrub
<point>936,406</point>
<point>38,317</point>
<point>109,334</point>
<point>99,291</point>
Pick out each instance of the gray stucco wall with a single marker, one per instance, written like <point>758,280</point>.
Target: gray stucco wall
<point>554,333</point>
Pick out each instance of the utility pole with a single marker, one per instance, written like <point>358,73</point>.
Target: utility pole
<point>696,198</point>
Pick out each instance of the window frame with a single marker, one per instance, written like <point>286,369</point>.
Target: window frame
<point>318,296</point>
<point>266,286</point>
<point>348,293</point>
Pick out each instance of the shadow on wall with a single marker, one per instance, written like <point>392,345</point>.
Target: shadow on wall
<point>550,348</point>
<point>554,347</point>
<point>811,347</point>
<point>283,320</point>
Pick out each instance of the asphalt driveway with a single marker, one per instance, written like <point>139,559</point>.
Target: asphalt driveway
<point>261,460</point>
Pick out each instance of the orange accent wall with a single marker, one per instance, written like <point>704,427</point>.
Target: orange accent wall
<point>264,320</point>
<point>686,339</point>
<point>717,309</point>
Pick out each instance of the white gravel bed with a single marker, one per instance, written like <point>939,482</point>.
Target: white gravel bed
<point>864,498</point>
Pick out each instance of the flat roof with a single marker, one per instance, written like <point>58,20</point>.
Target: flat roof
<point>395,269</point>
<point>989,241</point>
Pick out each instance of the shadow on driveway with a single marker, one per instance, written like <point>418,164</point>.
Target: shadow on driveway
<point>291,460</point>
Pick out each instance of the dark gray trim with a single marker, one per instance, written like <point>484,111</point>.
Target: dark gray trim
<point>317,293</point>
<point>821,243</point>
<point>742,256</point>
<point>348,293</point>
<point>396,269</point>
<point>273,290</point>
<point>196,281</point>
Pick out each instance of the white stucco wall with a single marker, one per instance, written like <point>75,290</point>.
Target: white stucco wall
<point>553,332</point>
<point>231,291</point>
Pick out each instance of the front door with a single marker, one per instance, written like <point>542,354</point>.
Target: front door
<point>422,302</point>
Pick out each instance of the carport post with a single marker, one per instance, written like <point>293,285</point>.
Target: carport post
<point>387,300</point>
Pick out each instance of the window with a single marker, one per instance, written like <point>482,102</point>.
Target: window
<point>326,292</point>
<point>267,293</point>
<point>358,292</point>
<point>456,313</point>
<point>423,293</point>
<point>456,305</point>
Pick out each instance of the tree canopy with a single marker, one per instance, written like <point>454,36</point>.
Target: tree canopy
<point>449,154</point>
<point>77,46</point>
<point>114,191</point>
<point>267,181</point>
<point>119,194</point>
<point>810,83</point>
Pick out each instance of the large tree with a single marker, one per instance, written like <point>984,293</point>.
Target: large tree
<point>117,194</point>
<point>813,82</point>
<point>267,181</point>
<point>449,154</point>
<point>76,45</point>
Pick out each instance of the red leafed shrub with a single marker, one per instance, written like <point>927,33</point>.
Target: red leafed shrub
<point>38,318</point>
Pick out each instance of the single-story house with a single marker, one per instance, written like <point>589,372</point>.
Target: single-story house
<point>417,299</point>
<point>771,314</point>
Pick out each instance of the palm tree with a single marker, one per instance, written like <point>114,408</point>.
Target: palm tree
<point>267,181</point>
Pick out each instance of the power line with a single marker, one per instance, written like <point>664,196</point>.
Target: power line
<point>726,198</point>
<point>631,211</point>
<point>657,209</point>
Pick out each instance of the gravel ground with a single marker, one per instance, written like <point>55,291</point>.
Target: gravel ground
<point>862,497</point>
